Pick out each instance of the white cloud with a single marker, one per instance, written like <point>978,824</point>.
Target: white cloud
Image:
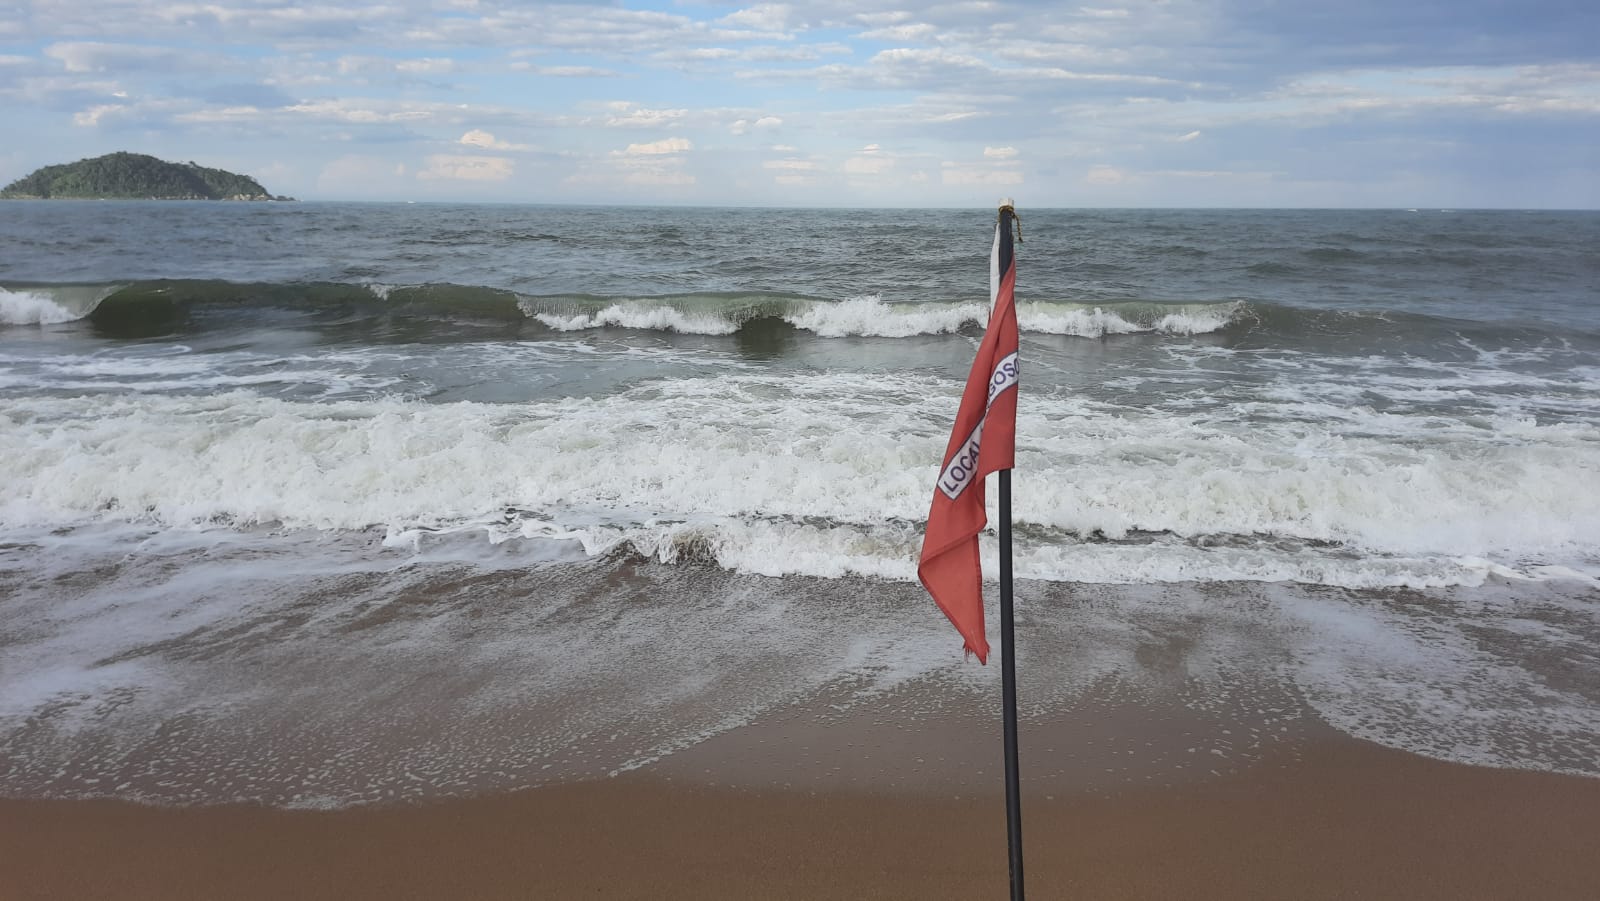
<point>876,20</point>
<point>919,32</point>
<point>357,111</point>
<point>707,53</point>
<point>762,17</point>
<point>567,71</point>
<point>789,164</point>
<point>386,66</point>
<point>654,148</point>
<point>1185,138</point>
<point>661,164</point>
<point>1000,153</point>
<point>928,56</point>
<point>705,57</point>
<point>795,53</point>
<point>144,112</point>
<point>1066,53</point>
<point>480,138</point>
<point>467,168</point>
<point>92,116</point>
<point>631,116</point>
<point>235,114</point>
<point>741,126</point>
<point>426,66</point>
<point>925,111</point>
<point>1103,13</point>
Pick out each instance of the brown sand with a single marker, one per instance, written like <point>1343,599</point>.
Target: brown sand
<point>1344,819</point>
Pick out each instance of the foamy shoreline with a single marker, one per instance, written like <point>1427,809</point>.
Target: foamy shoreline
<point>340,677</point>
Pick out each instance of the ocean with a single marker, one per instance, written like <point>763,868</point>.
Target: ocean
<point>321,504</point>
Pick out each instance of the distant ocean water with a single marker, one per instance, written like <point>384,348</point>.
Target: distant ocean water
<point>212,409</point>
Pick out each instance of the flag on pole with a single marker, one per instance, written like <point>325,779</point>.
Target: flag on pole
<point>982,441</point>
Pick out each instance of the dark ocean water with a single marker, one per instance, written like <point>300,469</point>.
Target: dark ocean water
<point>211,411</point>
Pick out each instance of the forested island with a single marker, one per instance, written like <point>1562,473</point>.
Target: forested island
<point>134,176</point>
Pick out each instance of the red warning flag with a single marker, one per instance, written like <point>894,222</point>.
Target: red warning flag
<point>983,441</point>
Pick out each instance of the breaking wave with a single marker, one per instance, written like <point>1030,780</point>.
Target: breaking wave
<point>153,308</point>
<point>49,305</point>
<point>773,476</point>
<point>164,307</point>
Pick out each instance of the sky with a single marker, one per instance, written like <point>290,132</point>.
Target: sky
<point>866,103</point>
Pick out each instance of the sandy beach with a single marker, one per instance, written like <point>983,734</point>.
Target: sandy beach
<point>1319,815</point>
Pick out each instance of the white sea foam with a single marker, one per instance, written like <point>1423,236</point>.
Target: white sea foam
<point>869,316</point>
<point>1197,323</point>
<point>642,315</point>
<point>1456,687</point>
<point>195,667</point>
<point>1097,322</point>
<point>215,663</point>
<point>785,548</point>
<point>1365,498</point>
<point>35,307</point>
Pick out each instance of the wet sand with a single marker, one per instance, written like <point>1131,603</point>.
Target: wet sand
<point>1335,819</point>
<point>1179,744</point>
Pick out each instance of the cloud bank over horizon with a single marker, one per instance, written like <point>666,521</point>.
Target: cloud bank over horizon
<point>867,103</point>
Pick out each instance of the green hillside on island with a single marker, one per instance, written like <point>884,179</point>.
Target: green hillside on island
<point>134,176</point>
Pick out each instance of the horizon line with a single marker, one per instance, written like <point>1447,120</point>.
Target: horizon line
<point>1420,208</point>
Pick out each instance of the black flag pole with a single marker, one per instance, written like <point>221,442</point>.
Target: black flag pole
<point>950,566</point>
<point>1008,678</point>
<point>1008,643</point>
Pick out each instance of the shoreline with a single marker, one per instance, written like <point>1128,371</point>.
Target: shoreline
<point>1317,815</point>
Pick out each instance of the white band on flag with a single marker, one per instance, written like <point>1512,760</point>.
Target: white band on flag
<point>963,465</point>
<point>1003,377</point>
